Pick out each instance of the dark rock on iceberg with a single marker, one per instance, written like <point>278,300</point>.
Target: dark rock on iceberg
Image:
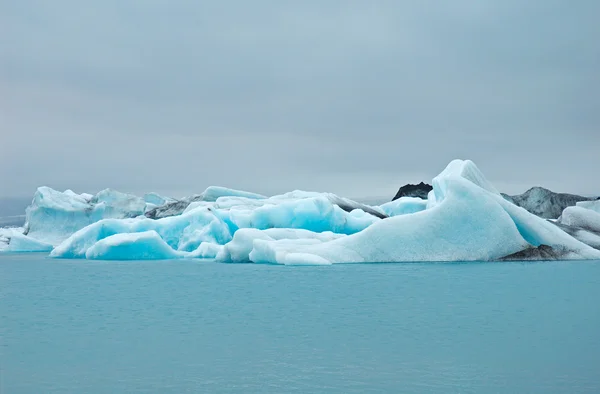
<point>542,252</point>
<point>421,190</point>
<point>172,208</point>
<point>545,203</point>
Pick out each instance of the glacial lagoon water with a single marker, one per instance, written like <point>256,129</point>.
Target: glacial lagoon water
<point>204,327</point>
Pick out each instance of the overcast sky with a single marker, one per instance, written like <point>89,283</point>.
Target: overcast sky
<point>351,97</point>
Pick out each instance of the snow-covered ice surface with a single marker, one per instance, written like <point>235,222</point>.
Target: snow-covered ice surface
<point>463,219</point>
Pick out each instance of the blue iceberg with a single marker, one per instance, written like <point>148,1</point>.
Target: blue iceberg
<point>464,218</point>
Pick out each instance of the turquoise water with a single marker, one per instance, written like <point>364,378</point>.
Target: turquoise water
<point>187,327</point>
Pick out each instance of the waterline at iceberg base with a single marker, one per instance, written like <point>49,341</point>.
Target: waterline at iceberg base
<point>464,218</point>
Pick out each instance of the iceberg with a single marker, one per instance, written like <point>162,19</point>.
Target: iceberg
<point>182,233</point>
<point>244,241</point>
<point>211,194</point>
<point>13,240</point>
<point>217,222</point>
<point>582,222</point>
<point>592,205</point>
<point>147,245</point>
<point>463,218</point>
<point>466,219</point>
<point>584,218</point>
<point>53,216</point>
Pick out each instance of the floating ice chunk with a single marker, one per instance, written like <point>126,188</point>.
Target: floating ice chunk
<point>183,233</point>
<point>581,217</point>
<point>147,245</point>
<point>592,205</point>
<point>316,214</point>
<point>270,252</point>
<point>238,250</point>
<point>53,216</point>
<point>119,205</point>
<point>404,206</point>
<point>468,221</point>
<point>12,240</point>
<point>211,194</point>
<point>464,219</point>
<point>77,244</point>
<point>23,243</point>
<point>208,224</point>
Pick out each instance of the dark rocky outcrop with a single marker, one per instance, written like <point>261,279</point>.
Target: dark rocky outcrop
<point>172,208</point>
<point>542,252</point>
<point>545,203</point>
<point>421,190</point>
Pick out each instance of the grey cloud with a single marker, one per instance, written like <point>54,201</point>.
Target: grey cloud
<point>352,97</point>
